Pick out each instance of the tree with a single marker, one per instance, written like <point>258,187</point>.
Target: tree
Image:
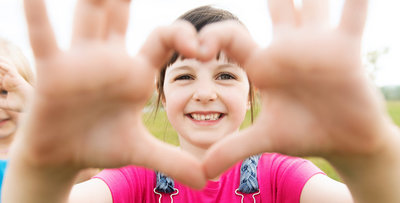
<point>372,58</point>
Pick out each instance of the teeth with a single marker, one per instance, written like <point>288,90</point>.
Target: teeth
<point>202,117</point>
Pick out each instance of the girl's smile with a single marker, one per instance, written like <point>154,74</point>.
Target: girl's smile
<point>206,117</point>
<point>3,121</point>
<point>8,123</point>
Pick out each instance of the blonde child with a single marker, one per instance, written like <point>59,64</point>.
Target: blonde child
<point>16,79</point>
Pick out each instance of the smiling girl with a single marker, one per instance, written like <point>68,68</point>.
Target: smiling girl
<point>16,85</point>
<point>16,79</point>
<point>205,102</point>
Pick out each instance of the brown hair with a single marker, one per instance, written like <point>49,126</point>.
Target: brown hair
<point>200,17</point>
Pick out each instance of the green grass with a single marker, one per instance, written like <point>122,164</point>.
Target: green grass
<point>167,134</point>
<point>325,166</point>
<point>394,111</point>
<point>160,127</point>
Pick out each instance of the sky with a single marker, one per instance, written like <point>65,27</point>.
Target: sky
<point>382,32</point>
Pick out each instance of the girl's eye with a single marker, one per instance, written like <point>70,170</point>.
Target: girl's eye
<point>184,77</point>
<point>3,92</point>
<point>225,76</point>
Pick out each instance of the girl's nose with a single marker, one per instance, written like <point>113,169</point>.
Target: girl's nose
<point>205,93</point>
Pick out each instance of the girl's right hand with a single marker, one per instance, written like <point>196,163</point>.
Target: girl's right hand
<point>88,100</point>
<point>15,90</point>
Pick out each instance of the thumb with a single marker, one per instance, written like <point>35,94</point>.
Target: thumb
<point>228,36</point>
<point>172,161</point>
<point>159,46</point>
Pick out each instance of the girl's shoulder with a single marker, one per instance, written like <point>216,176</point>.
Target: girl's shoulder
<point>284,165</point>
<point>127,174</point>
<point>285,175</point>
<point>129,184</point>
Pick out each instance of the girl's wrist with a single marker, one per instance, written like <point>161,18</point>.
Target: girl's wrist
<point>36,158</point>
<point>367,175</point>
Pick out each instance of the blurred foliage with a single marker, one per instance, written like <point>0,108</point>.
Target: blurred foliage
<point>393,108</point>
<point>391,93</point>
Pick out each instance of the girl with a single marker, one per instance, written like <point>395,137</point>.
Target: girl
<point>16,85</point>
<point>16,79</point>
<point>205,102</point>
<point>95,115</point>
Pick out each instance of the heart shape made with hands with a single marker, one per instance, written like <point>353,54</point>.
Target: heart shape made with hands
<point>315,97</point>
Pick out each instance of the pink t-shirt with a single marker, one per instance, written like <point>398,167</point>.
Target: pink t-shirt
<point>280,178</point>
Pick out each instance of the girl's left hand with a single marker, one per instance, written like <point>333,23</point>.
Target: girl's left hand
<point>316,98</point>
<point>15,90</point>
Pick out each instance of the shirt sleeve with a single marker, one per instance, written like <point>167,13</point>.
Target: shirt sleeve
<point>287,176</point>
<point>3,166</point>
<point>127,184</point>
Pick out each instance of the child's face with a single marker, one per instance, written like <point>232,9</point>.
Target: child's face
<point>205,101</point>
<point>8,123</point>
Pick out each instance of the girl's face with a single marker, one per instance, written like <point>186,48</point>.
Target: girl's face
<point>205,101</point>
<point>8,123</point>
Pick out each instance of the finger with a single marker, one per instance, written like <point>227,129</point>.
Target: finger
<point>90,20</point>
<point>7,67</point>
<point>282,12</point>
<point>8,76</point>
<point>5,72</point>
<point>236,42</point>
<point>173,162</point>
<point>229,36</point>
<point>117,18</point>
<point>354,16</point>
<point>232,149</point>
<point>10,79</point>
<point>159,46</point>
<point>41,34</point>
<point>315,12</point>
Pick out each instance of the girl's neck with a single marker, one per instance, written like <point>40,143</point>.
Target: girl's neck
<point>5,143</point>
<point>197,152</point>
<point>4,151</point>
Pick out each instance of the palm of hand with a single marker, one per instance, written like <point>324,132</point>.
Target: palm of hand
<point>83,112</point>
<point>313,102</point>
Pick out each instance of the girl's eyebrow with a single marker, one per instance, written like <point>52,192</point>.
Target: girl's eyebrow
<point>178,68</point>
<point>189,68</point>
<point>228,65</point>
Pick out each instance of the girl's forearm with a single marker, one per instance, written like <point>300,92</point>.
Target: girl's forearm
<point>375,177</point>
<point>25,182</point>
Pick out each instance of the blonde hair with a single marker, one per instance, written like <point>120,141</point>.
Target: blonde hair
<point>15,56</point>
